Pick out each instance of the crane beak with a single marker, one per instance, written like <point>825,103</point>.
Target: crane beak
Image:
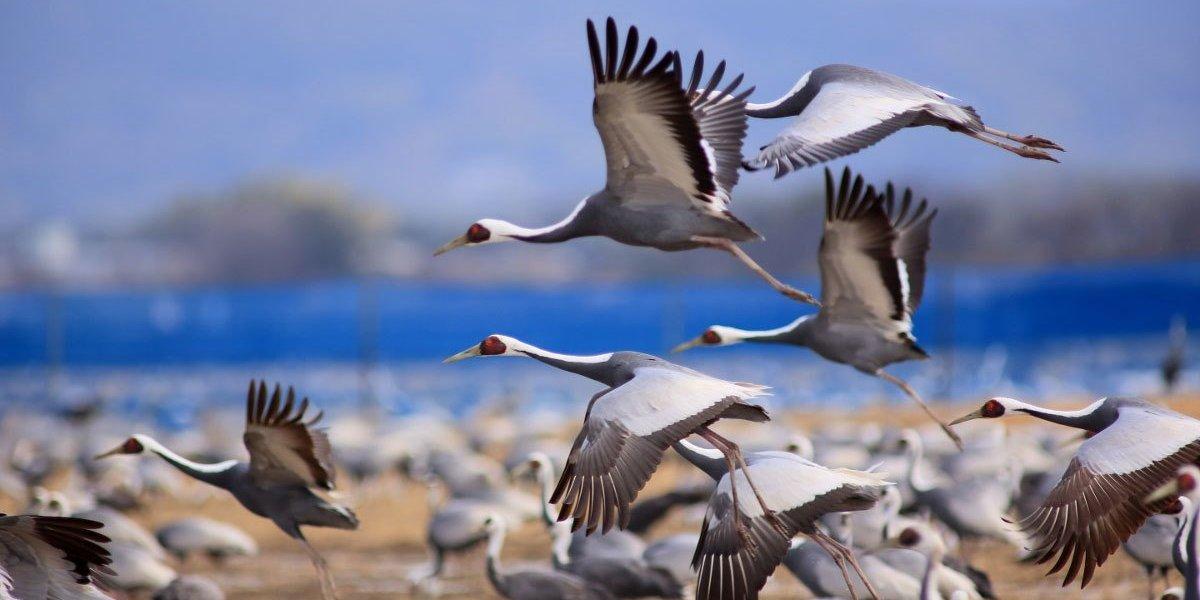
<point>468,353</point>
<point>452,244</point>
<point>687,345</point>
<point>113,452</point>
<point>1167,489</point>
<point>968,417</point>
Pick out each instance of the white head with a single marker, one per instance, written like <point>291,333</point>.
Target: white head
<point>716,335</point>
<point>915,535</point>
<point>994,408</point>
<point>136,444</point>
<point>492,345</point>
<point>483,231</point>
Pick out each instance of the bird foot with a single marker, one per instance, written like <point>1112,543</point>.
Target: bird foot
<point>1028,152</point>
<point>800,296</point>
<point>747,541</point>
<point>1034,141</point>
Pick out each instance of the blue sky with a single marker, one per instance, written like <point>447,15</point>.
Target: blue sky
<point>451,110</point>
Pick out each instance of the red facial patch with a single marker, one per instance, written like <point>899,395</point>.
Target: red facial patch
<point>492,346</point>
<point>132,446</point>
<point>477,233</point>
<point>711,337</point>
<point>1186,482</point>
<point>909,537</point>
<point>992,409</point>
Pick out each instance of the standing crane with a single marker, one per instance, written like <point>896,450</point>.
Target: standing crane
<point>648,405</point>
<point>1185,485</point>
<point>1135,447</point>
<point>841,109</point>
<point>872,261</point>
<point>673,152</point>
<point>798,491</point>
<point>289,457</point>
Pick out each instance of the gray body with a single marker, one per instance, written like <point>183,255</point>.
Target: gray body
<point>1153,544</point>
<point>855,343</point>
<point>817,571</point>
<point>191,587</point>
<point>667,225</point>
<point>289,507</point>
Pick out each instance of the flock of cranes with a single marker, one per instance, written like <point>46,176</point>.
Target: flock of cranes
<point>835,511</point>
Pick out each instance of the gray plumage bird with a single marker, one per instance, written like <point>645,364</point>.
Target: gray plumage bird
<point>841,109</point>
<point>673,152</point>
<point>648,405</point>
<point>198,535</point>
<point>191,587</point>
<point>1153,545</point>
<point>47,558</point>
<point>289,457</point>
<point>533,584</point>
<point>1136,447</point>
<point>1172,364</point>
<point>733,565</point>
<point>872,260</point>
<point>1186,486</point>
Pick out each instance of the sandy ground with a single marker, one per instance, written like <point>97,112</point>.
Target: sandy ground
<point>373,562</point>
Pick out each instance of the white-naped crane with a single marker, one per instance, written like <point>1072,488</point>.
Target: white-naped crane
<point>1185,486</point>
<point>841,109</point>
<point>624,574</point>
<point>191,587</point>
<point>199,535</point>
<point>915,547</point>
<point>872,260</point>
<point>51,558</point>
<point>648,405</point>
<point>289,457</point>
<point>1153,545</point>
<point>1172,364</point>
<point>532,584</point>
<point>673,151</point>
<point>730,565</point>
<point>1136,446</point>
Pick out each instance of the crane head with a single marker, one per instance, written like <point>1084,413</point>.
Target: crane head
<point>483,231</point>
<point>492,345</point>
<point>1184,483</point>
<point>130,446</point>
<point>992,409</point>
<point>717,335</point>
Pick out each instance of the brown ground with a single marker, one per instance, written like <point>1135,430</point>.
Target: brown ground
<point>373,561</point>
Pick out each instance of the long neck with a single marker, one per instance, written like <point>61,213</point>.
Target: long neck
<point>788,105</point>
<point>572,226</point>
<point>593,367</point>
<point>560,544</point>
<point>1191,576</point>
<point>711,461</point>
<point>797,332</point>
<point>1089,418</point>
<point>916,454</point>
<point>495,544</point>
<point>545,477</point>
<point>929,583</point>
<point>208,473</point>
<point>1179,551</point>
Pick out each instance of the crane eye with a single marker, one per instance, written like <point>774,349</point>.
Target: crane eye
<point>477,233</point>
<point>992,409</point>
<point>1186,482</point>
<point>492,346</point>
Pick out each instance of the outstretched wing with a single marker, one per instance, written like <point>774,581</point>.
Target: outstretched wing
<point>663,143</point>
<point>53,557</point>
<point>798,491</point>
<point>860,275</point>
<point>625,433</point>
<point>840,109</point>
<point>285,449</point>
<point>1098,503</point>
<point>911,224</point>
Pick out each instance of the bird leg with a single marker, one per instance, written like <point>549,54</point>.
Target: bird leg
<point>836,549</point>
<point>1026,151</point>
<point>736,451</point>
<point>917,398</point>
<point>328,591</point>
<point>739,523</point>
<point>1032,141</point>
<point>738,253</point>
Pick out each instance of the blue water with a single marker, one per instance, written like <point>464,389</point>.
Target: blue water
<point>337,321</point>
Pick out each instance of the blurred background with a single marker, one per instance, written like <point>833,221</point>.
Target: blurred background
<point>194,194</point>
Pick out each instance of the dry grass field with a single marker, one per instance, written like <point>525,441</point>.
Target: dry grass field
<point>374,561</point>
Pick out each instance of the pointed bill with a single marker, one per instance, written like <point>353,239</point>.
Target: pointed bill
<point>452,244</point>
<point>688,345</point>
<point>465,354</point>
<point>1165,490</point>
<point>968,417</point>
